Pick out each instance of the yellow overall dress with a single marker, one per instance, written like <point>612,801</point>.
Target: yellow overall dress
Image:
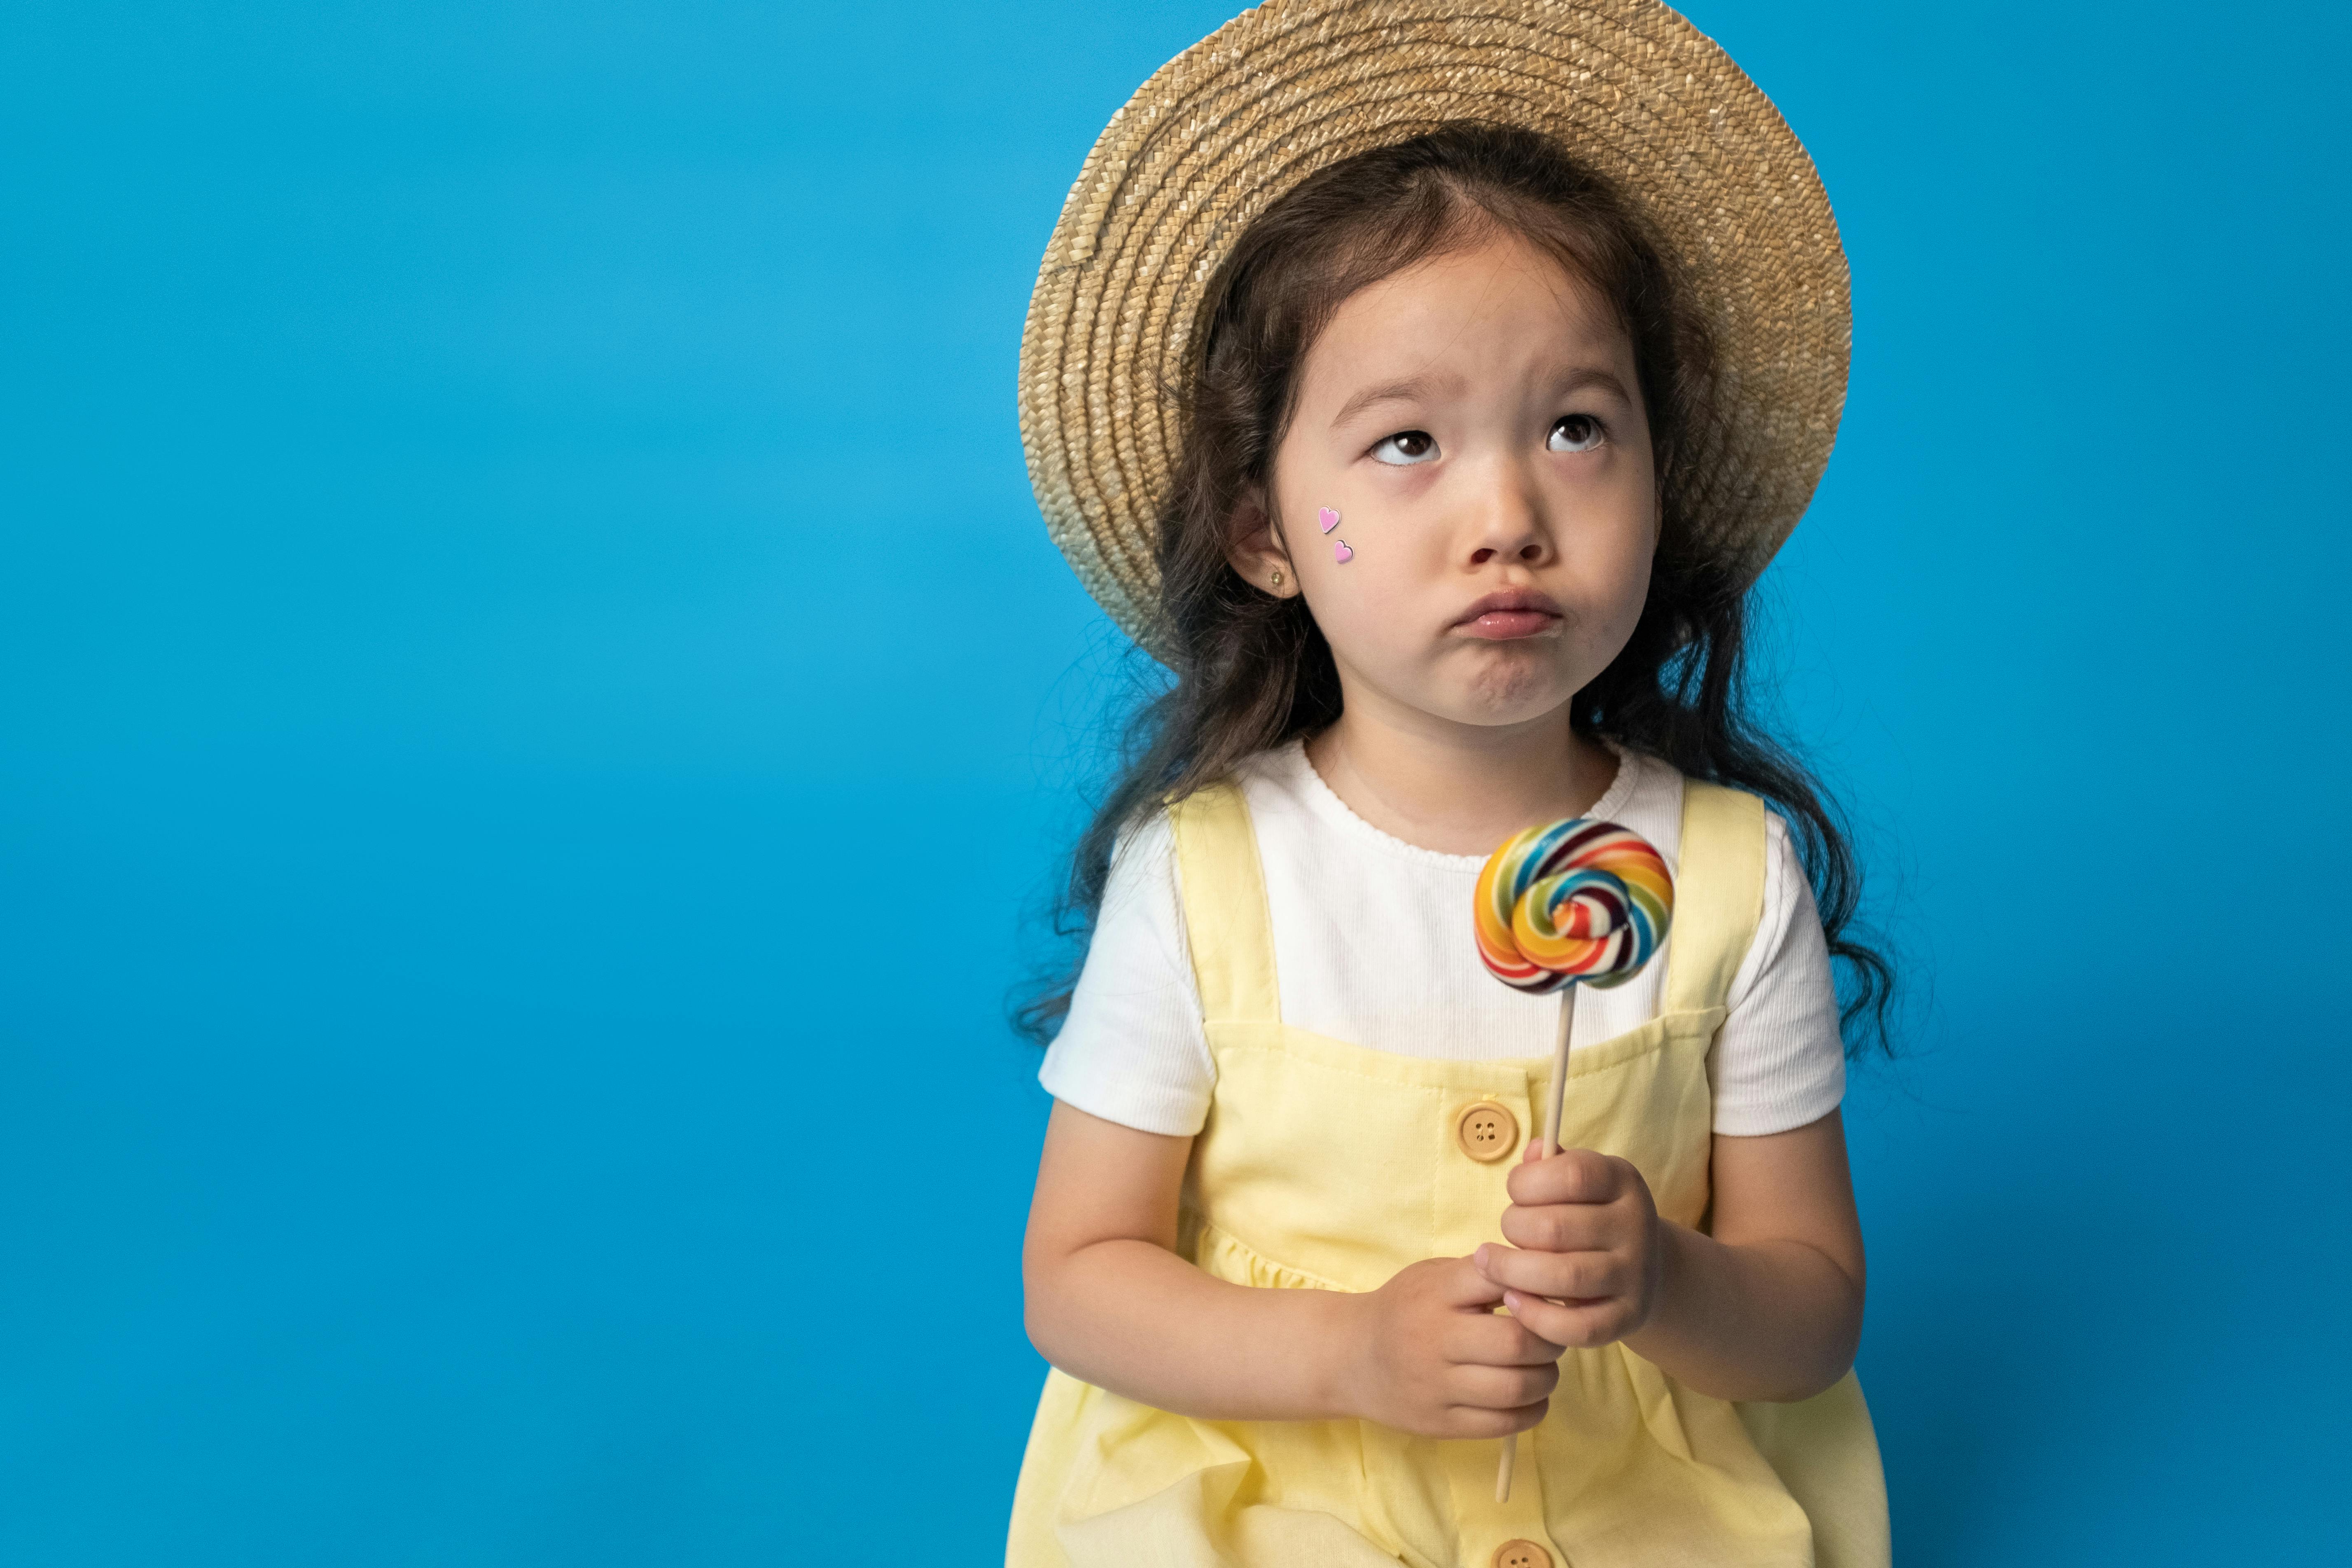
<point>1326,1165</point>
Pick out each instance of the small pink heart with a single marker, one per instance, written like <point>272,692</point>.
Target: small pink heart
<point>1339,550</point>
<point>1330,520</point>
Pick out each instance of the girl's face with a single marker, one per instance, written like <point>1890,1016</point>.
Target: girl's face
<point>1477,424</point>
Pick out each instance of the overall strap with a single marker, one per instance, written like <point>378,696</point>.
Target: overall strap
<point>1225,919</point>
<point>1719,895</point>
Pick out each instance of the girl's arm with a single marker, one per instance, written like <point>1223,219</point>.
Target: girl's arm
<point>1109,1301</point>
<point>1765,1305</point>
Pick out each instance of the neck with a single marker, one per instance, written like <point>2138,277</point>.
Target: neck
<point>1459,789</point>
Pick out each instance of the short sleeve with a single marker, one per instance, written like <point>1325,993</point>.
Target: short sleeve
<point>1132,1048</point>
<point>1780,1060</point>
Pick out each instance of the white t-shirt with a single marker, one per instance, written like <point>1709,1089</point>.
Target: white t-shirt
<point>1372,945</point>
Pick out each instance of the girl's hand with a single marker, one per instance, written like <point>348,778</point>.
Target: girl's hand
<point>1588,1247</point>
<point>1432,1357</point>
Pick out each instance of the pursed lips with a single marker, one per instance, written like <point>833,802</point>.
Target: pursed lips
<point>1512,614</point>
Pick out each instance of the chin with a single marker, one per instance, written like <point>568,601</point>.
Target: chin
<point>1516,687</point>
<point>1512,692</point>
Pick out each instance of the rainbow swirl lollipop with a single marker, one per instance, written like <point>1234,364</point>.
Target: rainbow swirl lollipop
<point>1574,902</point>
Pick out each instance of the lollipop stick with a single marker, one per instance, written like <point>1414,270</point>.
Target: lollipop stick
<point>1548,1147</point>
<point>1559,1070</point>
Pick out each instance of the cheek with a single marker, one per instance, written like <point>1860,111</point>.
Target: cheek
<point>1362,579</point>
<point>1615,574</point>
<point>1631,589</point>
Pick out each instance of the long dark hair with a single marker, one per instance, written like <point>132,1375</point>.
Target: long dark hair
<point>1252,672</point>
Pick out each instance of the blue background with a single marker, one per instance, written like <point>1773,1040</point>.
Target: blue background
<point>516,555</point>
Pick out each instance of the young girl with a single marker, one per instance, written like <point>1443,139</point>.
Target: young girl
<point>1425,389</point>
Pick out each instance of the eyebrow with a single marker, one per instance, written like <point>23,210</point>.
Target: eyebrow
<point>1583,377</point>
<point>1405,391</point>
<point>1417,386</point>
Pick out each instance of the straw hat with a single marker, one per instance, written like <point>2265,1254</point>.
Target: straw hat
<point>1218,133</point>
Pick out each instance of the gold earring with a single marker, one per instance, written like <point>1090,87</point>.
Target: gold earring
<point>1278,576</point>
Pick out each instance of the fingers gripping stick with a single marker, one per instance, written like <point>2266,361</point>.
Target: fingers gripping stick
<point>1574,902</point>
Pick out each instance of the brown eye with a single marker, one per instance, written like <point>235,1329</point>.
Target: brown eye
<point>1405,448</point>
<point>1574,432</point>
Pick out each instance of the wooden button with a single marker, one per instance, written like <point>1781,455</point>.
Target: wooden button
<point>1487,1132</point>
<point>1521,1554</point>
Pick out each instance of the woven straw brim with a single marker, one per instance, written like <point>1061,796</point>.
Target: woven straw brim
<point>1223,130</point>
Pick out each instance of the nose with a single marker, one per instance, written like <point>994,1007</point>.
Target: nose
<point>1508,524</point>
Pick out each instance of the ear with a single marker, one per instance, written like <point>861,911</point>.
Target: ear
<point>1256,550</point>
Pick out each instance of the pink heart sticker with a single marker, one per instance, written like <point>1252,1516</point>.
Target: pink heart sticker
<point>1339,552</point>
<point>1330,519</point>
